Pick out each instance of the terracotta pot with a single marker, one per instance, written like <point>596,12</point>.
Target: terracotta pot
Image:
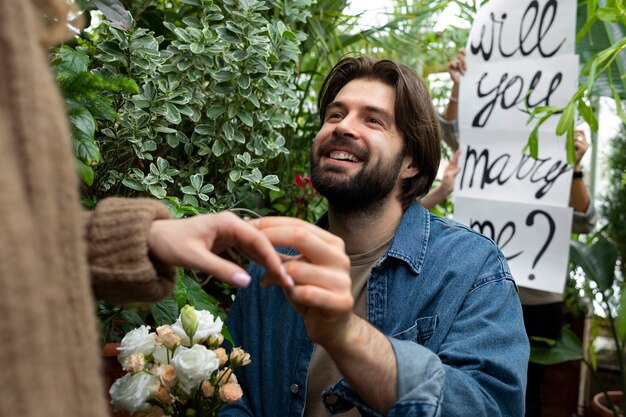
<point>112,371</point>
<point>600,407</point>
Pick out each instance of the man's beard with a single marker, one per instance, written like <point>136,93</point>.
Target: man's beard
<point>365,192</point>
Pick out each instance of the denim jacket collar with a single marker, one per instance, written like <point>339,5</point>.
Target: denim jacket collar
<point>414,229</point>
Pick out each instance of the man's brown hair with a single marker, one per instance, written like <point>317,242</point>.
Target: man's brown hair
<point>415,115</point>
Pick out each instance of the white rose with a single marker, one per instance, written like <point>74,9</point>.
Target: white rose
<point>207,326</point>
<point>193,365</point>
<point>138,340</point>
<point>132,391</point>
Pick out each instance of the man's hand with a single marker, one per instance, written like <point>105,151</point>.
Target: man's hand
<point>194,243</point>
<point>322,291</point>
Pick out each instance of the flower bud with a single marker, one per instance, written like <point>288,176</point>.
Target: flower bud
<point>215,340</point>
<point>189,320</point>
<point>238,357</point>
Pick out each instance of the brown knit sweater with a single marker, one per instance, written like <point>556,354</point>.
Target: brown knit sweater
<point>51,260</point>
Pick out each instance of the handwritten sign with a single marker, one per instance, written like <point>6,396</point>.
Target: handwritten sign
<point>512,30</point>
<point>494,167</point>
<point>520,56</point>
<point>530,236</point>
<point>500,95</point>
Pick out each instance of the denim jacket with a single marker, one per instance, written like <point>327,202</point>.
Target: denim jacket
<point>444,296</point>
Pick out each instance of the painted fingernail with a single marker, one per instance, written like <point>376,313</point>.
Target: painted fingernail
<point>286,276</point>
<point>240,279</point>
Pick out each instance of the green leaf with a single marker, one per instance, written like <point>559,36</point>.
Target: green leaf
<point>618,104</point>
<point>157,191</point>
<point>215,111</point>
<point>165,311</point>
<point>133,185</point>
<point>198,298</point>
<point>566,121</point>
<point>218,148</point>
<point>567,348</point>
<point>587,114</point>
<point>196,181</point>
<point>597,261</point>
<point>224,75</point>
<point>172,114</point>
<point>533,143</point>
<point>244,81</point>
<point>114,11</point>
<point>81,119</point>
<point>234,175</point>
<point>228,130</point>
<point>608,14</point>
<point>85,172</point>
<point>164,129</point>
<point>196,48</point>
<point>87,149</point>
<point>72,61</point>
<point>245,117</point>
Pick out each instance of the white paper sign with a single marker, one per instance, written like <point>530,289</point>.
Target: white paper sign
<point>510,30</point>
<point>534,238</point>
<point>494,167</point>
<point>500,95</point>
<point>520,55</point>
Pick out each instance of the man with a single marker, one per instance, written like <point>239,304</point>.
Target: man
<point>394,311</point>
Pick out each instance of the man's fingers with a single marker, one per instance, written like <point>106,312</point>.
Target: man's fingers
<point>309,244</point>
<point>255,245</point>
<point>316,297</point>
<point>290,222</point>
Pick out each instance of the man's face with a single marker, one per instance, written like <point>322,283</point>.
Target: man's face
<point>356,159</point>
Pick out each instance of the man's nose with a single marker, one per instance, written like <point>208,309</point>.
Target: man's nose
<point>346,127</point>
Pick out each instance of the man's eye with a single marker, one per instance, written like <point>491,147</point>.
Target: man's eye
<point>373,120</point>
<point>335,116</point>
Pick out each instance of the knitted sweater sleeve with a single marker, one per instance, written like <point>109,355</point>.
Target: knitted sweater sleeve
<point>122,269</point>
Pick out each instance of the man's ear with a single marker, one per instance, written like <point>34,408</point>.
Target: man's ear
<point>409,168</point>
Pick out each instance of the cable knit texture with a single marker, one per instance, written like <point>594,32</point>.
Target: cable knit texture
<point>49,331</point>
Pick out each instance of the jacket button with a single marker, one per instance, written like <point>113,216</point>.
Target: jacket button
<point>331,399</point>
<point>294,388</point>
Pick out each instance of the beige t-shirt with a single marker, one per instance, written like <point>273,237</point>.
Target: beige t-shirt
<point>322,371</point>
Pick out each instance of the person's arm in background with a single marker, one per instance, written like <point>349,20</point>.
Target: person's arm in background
<point>456,68</point>
<point>450,130</point>
<point>437,195</point>
<point>584,210</point>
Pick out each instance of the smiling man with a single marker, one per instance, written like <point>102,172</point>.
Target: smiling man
<point>393,311</point>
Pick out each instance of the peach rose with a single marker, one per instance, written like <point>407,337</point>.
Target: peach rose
<point>230,393</point>
<point>207,389</point>
<point>167,337</point>
<point>226,376</point>
<point>221,355</point>
<point>167,375</point>
<point>162,394</point>
<point>134,363</point>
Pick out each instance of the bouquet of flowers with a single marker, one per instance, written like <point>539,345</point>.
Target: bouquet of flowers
<point>179,370</point>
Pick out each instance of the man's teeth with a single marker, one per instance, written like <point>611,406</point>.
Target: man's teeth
<point>343,156</point>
